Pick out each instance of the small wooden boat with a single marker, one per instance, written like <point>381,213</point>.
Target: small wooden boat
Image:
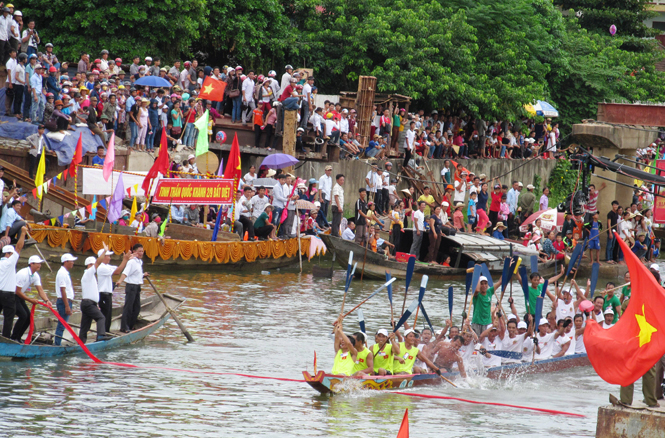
<point>330,383</point>
<point>153,315</point>
<point>462,248</point>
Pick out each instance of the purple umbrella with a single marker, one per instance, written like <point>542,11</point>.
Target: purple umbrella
<point>279,161</point>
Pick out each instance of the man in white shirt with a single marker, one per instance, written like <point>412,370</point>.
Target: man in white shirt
<point>348,232</point>
<point>90,300</point>
<point>418,229</point>
<point>248,96</point>
<point>545,340</point>
<point>244,207</point>
<point>514,341</point>
<point>133,276</point>
<point>306,102</point>
<point>274,84</point>
<point>286,77</point>
<point>337,204</point>
<point>65,293</point>
<point>105,273</point>
<point>491,340</point>
<point>608,317</point>
<point>278,199</point>
<point>460,190</point>
<point>385,189</point>
<point>11,69</point>
<point>344,122</point>
<point>25,279</point>
<point>37,106</point>
<point>4,33</point>
<point>373,181</point>
<point>409,145</point>
<point>8,283</point>
<point>325,191</point>
<point>259,202</point>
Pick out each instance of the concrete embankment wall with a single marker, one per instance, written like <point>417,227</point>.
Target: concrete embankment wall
<point>355,172</point>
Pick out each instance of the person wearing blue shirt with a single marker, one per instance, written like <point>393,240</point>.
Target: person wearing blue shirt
<point>98,160</point>
<point>498,231</point>
<point>11,222</point>
<point>373,147</point>
<point>177,214</point>
<point>594,228</point>
<point>471,211</point>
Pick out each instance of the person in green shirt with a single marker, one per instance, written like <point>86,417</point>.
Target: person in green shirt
<point>263,228</point>
<point>612,300</point>
<point>625,291</point>
<point>536,287</point>
<point>429,200</point>
<point>482,305</point>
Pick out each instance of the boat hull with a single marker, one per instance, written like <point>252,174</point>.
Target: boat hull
<point>153,316</point>
<point>330,383</point>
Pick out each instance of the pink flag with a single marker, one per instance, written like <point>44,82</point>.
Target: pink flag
<point>110,158</point>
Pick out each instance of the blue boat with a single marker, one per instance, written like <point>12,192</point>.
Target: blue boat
<point>153,316</point>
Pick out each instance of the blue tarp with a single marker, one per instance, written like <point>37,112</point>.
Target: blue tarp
<point>64,149</point>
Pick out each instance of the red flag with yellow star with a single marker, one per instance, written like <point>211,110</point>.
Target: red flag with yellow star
<point>212,89</point>
<point>625,352</point>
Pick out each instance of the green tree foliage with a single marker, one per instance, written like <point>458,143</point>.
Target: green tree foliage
<point>596,68</point>
<point>123,27</point>
<point>598,15</point>
<point>562,182</point>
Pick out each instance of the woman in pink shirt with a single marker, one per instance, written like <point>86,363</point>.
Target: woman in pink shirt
<point>458,217</point>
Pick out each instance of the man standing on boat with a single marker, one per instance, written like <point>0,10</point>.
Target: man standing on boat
<point>133,275</point>
<point>8,283</point>
<point>90,299</point>
<point>482,305</point>
<point>105,273</point>
<point>338,204</point>
<point>65,293</point>
<point>25,279</point>
<point>325,191</point>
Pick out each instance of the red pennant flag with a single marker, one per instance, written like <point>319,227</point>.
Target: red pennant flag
<point>34,193</point>
<point>89,208</point>
<point>404,428</point>
<point>625,352</point>
<point>212,89</point>
<point>161,164</point>
<point>233,169</point>
<point>78,156</point>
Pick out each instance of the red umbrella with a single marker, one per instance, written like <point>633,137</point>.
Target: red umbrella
<point>547,218</point>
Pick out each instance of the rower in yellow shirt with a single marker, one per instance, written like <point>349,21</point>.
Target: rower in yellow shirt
<point>345,352</point>
<point>408,353</point>
<point>364,363</point>
<point>384,351</point>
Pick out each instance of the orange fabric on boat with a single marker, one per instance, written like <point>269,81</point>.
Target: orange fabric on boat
<point>170,249</point>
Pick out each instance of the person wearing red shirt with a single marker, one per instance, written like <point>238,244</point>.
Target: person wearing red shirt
<point>495,204</point>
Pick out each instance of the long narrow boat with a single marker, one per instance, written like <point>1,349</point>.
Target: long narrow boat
<point>153,316</point>
<point>166,253</point>
<point>330,383</point>
<point>462,248</point>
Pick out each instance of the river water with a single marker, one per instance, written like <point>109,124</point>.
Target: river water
<point>271,325</point>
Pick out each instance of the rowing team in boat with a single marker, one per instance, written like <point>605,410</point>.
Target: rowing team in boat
<point>96,295</point>
<point>490,339</point>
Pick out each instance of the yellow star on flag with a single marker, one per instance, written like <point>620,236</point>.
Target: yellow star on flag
<point>208,89</point>
<point>646,329</point>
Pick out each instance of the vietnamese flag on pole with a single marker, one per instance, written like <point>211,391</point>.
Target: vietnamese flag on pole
<point>625,352</point>
<point>78,156</point>
<point>404,428</point>
<point>212,89</point>
<point>233,169</point>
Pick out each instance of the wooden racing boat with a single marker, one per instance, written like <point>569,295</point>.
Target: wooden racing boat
<point>330,383</point>
<point>153,316</point>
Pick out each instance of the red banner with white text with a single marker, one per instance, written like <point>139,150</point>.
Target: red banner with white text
<point>179,191</point>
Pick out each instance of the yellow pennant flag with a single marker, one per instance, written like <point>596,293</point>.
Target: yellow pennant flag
<point>134,210</point>
<point>41,171</point>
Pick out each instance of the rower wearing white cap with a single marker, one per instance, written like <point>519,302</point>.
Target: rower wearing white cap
<point>408,353</point>
<point>515,340</point>
<point>65,293</point>
<point>492,340</point>
<point>90,298</point>
<point>608,316</point>
<point>545,339</point>
<point>384,351</point>
<point>564,304</point>
<point>8,282</point>
<point>482,305</point>
<point>105,273</point>
<point>25,279</point>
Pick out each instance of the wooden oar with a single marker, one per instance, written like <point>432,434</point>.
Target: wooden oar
<point>477,270</point>
<point>594,278</point>
<point>505,279</point>
<point>390,298</point>
<point>173,315</point>
<point>40,253</point>
<point>349,276</point>
<point>407,313</point>
<point>439,373</point>
<point>534,264</point>
<point>361,321</point>
<point>469,279</point>
<point>410,267</point>
<point>392,280</point>
<point>429,323</point>
<point>525,287</point>
<point>450,302</point>
<point>539,314</point>
<point>421,294</point>
<point>506,354</point>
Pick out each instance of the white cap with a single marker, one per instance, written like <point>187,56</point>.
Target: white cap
<point>543,321</point>
<point>482,278</point>
<point>438,332</point>
<point>383,332</point>
<point>7,248</point>
<point>317,204</point>
<point>608,311</point>
<point>35,259</point>
<point>409,331</point>
<point>101,251</point>
<point>655,267</point>
<point>510,316</point>
<point>90,260</point>
<point>190,156</point>
<point>530,187</point>
<point>445,204</point>
<point>147,58</point>
<point>67,258</point>
<point>521,325</point>
<point>519,184</point>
